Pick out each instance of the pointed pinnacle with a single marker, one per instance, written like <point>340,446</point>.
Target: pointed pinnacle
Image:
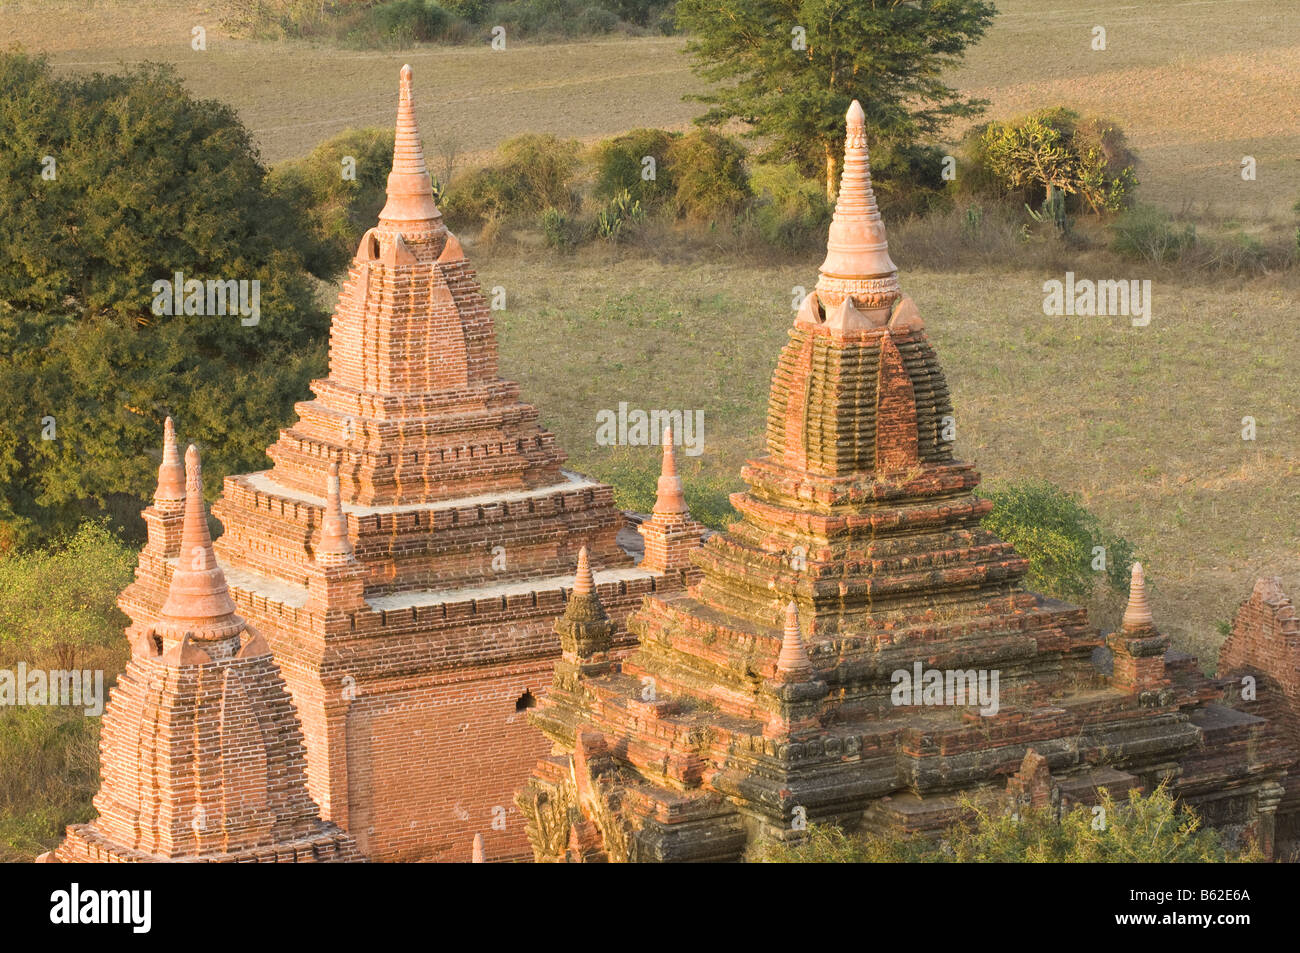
<point>856,248</point>
<point>584,583</point>
<point>410,193</point>
<point>669,497</point>
<point>197,598</point>
<point>793,665</point>
<point>1138,613</point>
<point>171,474</point>
<point>335,546</point>
<point>478,857</point>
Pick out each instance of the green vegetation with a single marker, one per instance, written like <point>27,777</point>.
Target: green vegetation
<point>141,182</point>
<point>790,68</point>
<point>1145,829</point>
<point>338,208</point>
<point>59,605</point>
<point>1088,160</point>
<point>1051,528</point>
<point>397,24</point>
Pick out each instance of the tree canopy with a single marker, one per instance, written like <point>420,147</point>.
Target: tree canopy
<point>790,68</point>
<point>108,184</point>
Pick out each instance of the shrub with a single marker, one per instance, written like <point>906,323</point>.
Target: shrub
<point>339,210</point>
<point>399,23</point>
<point>1146,233</point>
<point>790,212</point>
<point>709,173</point>
<point>1051,528</point>
<point>558,230</point>
<point>619,213</point>
<point>1152,828</point>
<point>620,166</point>
<point>907,178</point>
<point>60,602</point>
<point>534,172</point>
<point>1084,158</point>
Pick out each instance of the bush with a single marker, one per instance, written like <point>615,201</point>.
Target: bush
<point>709,173</point>
<point>1152,828</point>
<point>908,179</point>
<point>620,165</point>
<point>534,172</point>
<point>59,603</point>
<point>790,211</point>
<point>1087,159</point>
<point>619,214</point>
<point>339,210</point>
<point>400,23</point>
<point>1146,233</point>
<point>1051,528</point>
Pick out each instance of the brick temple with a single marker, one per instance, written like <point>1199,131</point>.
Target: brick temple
<point>406,555</point>
<point>201,753</point>
<point>765,696</point>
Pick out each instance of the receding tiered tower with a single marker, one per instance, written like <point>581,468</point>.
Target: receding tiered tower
<point>408,552</point>
<point>201,754</point>
<point>769,695</point>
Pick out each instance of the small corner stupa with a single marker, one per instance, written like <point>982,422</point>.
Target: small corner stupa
<point>857,649</point>
<point>201,754</point>
<point>408,551</point>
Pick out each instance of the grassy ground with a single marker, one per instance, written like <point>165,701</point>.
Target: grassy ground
<point>1196,84</point>
<point>1144,422</point>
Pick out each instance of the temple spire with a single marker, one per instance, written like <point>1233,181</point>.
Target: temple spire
<point>669,497</point>
<point>857,254</point>
<point>583,582</point>
<point>793,665</point>
<point>171,474</point>
<point>410,192</point>
<point>1138,613</point>
<point>335,546</point>
<point>198,602</point>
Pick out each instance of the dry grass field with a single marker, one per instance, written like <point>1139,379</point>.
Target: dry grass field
<point>1197,84</point>
<point>1144,422</point>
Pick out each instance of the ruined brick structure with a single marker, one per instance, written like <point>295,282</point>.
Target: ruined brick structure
<point>408,552</point>
<point>201,754</point>
<point>766,694</point>
<point>1260,663</point>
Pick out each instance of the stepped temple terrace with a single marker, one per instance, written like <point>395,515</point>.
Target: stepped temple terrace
<point>419,637</point>
<point>763,698</point>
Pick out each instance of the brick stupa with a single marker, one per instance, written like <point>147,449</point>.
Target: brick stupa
<point>764,697</point>
<point>201,754</point>
<point>408,552</point>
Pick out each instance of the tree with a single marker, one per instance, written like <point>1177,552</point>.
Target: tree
<point>792,67</point>
<point>109,184</point>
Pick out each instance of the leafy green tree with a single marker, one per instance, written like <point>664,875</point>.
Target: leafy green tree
<point>1150,829</point>
<point>790,68</point>
<point>107,185</point>
<point>1051,528</point>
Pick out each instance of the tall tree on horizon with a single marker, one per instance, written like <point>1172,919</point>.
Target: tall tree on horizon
<point>790,68</point>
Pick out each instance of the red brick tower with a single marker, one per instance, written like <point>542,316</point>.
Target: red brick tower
<point>407,554</point>
<point>201,754</point>
<point>831,662</point>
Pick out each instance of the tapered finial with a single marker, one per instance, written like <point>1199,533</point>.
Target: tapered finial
<point>410,192</point>
<point>335,546</point>
<point>1137,615</point>
<point>584,583</point>
<point>197,598</point>
<point>669,497</point>
<point>857,254</point>
<point>793,665</point>
<point>171,474</point>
